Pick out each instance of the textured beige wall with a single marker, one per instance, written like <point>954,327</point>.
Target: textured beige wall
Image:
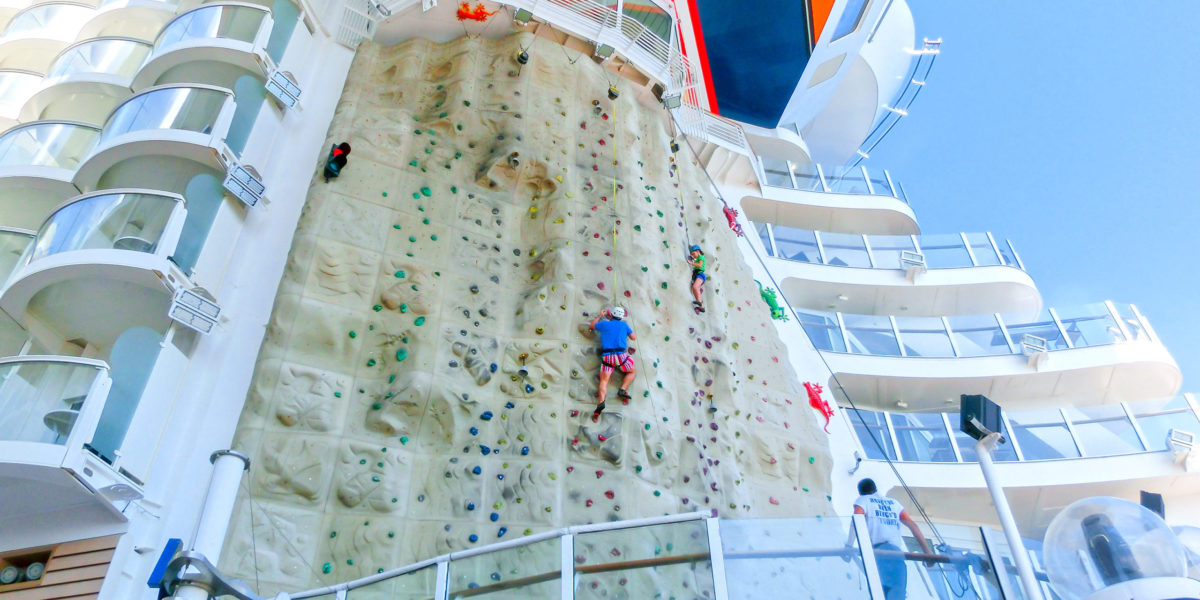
<point>422,279</point>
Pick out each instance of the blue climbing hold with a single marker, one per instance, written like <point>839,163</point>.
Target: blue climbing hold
<point>501,532</point>
<point>484,450</point>
<point>476,470</point>
<point>470,506</point>
<point>500,477</point>
<point>509,405</point>
<point>524,450</point>
<point>493,367</point>
<point>486,416</point>
<point>495,576</point>
<point>494,517</point>
<point>473,538</point>
<point>474,431</point>
<point>528,389</point>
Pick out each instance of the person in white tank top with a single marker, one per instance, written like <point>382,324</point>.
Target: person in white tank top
<point>884,516</point>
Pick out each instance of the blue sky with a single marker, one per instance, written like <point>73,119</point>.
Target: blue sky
<point>1072,129</point>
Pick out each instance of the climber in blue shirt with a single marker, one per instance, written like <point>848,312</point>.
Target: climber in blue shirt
<point>615,334</point>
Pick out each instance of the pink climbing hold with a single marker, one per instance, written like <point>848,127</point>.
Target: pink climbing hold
<point>772,500</point>
<point>602,438</point>
<point>600,285</point>
<point>588,503</point>
<point>609,494</point>
<point>570,468</point>
<point>627,294</point>
<point>599,474</point>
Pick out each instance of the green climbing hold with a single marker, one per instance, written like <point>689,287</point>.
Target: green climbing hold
<point>426,192</point>
<point>412,163</point>
<point>370,362</point>
<point>377,307</point>
<point>396,226</point>
<point>664,285</point>
<point>433,237</point>
<point>385,194</point>
<point>637,469</point>
<point>442,115</point>
<point>417,131</point>
<point>332,534</point>
<point>403,439</point>
<point>637,227</point>
<point>401,354</point>
<point>419,322</point>
<point>657,493</point>
<point>403,308</point>
<point>425,221</point>
<point>645,268</point>
<point>453,189</point>
<point>466,102</point>
<point>353,334</point>
<point>326,568</point>
<point>392,378</point>
<point>412,238</point>
<point>416,196</point>
<point>647,427</point>
<point>350,561</point>
<point>376,406</point>
<point>399,274</point>
<point>337,394</point>
<point>812,459</point>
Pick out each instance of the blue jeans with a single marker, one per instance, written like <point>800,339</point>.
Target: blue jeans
<point>893,573</point>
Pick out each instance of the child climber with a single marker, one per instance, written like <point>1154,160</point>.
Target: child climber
<point>614,345</point>
<point>698,262</point>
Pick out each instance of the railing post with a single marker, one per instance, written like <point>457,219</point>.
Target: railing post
<point>1191,401</point>
<point>891,184</point>
<point>771,239</point>
<point>716,555</point>
<point>950,335</point>
<point>953,440</point>
<point>1145,324</point>
<point>1079,447</point>
<point>1116,317</point>
<point>1012,436</point>
<point>1012,348</point>
<point>821,174</point>
<point>967,245</point>
<point>896,332</point>
<point>1137,429</point>
<point>996,248</point>
<point>820,247</point>
<point>1062,330</point>
<point>870,255</point>
<point>867,178</point>
<point>998,567</point>
<point>867,551</point>
<point>891,431</point>
<point>842,328</point>
<point>441,586</point>
<point>567,577</point>
<point>791,169</point>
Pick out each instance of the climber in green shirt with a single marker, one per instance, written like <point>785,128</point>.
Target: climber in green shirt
<point>698,262</point>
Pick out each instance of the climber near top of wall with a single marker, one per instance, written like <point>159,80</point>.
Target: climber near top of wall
<point>698,263</point>
<point>336,160</point>
<point>615,334</point>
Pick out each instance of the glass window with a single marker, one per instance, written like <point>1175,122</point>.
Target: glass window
<point>617,561</point>
<point>797,244</point>
<point>872,432</point>
<point>47,144</point>
<point>642,15</point>
<point>1009,253</point>
<point>981,247</point>
<point>1005,452</point>
<point>922,437</point>
<point>39,400</point>
<point>529,571</point>
<point>978,335</point>
<point>1157,417</point>
<point>1104,430</point>
<point>61,21</point>
<point>822,330</point>
<point>879,183</point>
<point>886,249</point>
<point>1043,327</point>
<point>851,18</point>
<point>1043,434</point>
<point>924,336</point>
<point>944,251</point>
<point>845,250</point>
<point>1090,325</point>
<point>871,334</point>
<point>16,88</point>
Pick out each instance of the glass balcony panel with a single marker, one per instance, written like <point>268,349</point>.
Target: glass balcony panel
<point>113,57</point>
<point>871,334</point>
<point>1043,327</point>
<point>922,437</point>
<point>823,330</point>
<point>761,230</point>
<point>887,248</point>
<point>1157,417</point>
<point>60,145</point>
<point>417,585</point>
<point>969,574</point>
<point>1043,434</point>
<point>529,571</point>
<point>239,23</point>
<point>55,19</point>
<point>978,335</point>
<point>1104,430</point>
<point>133,222</point>
<point>1133,324</point>
<point>924,336</point>
<point>944,251</point>
<point>15,88</point>
<point>189,109</point>
<point>1008,253</point>
<point>797,244</point>
<point>879,183</point>
<point>13,246</point>
<point>846,181</point>
<point>806,557</point>
<point>1090,325</point>
<point>981,247</point>
<point>39,400</point>
<point>966,444</point>
<point>872,433</point>
<point>807,177</point>
<point>845,250</point>
<point>776,172</point>
<point>646,562</point>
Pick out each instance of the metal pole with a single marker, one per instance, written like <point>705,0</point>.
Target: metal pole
<point>983,448</point>
<point>228,466</point>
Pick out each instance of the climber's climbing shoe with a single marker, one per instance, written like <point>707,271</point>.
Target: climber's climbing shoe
<point>624,396</point>
<point>596,413</point>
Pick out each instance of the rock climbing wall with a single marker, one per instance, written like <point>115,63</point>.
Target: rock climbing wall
<point>428,374</point>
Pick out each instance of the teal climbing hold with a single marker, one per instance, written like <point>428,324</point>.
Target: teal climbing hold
<point>403,439</point>
<point>401,354</point>
<point>412,238</point>
<point>403,308</point>
<point>419,322</point>
<point>399,274</point>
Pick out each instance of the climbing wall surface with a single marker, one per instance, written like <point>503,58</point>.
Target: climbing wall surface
<point>428,374</point>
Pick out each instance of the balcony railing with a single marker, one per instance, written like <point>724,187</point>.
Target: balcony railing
<point>57,144</point>
<point>694,556</point>
<point>55,21</point>
<point>948,251</point>
<point>110,56</point>
<point>1047,434</point>
<point>975,335</point>
<point>180,108</point>
<point>814,178</point>
<point>42,396</point>
<point>13,245</point>
<point>129,221</point>
<point>233,22</point>
<point>15,88</point>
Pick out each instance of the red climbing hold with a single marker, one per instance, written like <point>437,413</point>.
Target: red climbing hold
<point>476,13</point>
<point>599,474</point>
<point>731,216</point>
<point>816,401</point>
<point>588,503</point>
<point>602,438</point>
<point>609,494</point>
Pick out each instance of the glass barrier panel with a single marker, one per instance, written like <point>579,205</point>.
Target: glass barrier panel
<point>879,184</point>
<point>59,145</point>
<point>845,250</point>
<point>1005,452</point>
<point>1157,417</point>
<point>978,335</point>
<point>924,336</point>
<point>1009,253</point>
<point>39,401</point>
<point>1043,434</point>
<point>870,334</point>
<point>761,229</point>
<point>112,57</point>
<point>239,23</point>
<point>133,222</point>
<point>807,558</point>
<point>61,20</point>
<point>1008,567</point>
<point>807,177</point>
<point>981,247</point>
<point>1132,323</point>
<point>1089,325</point>
<point>15,89</point>
<point>886,249</point>
<point>797,244</point>
<point>776,172</point>
<point>922,437</point>
<point>13,246</point>
<point>189,109</point>
<point>966,573</point>
<point>650,16</point>
<point>645,562</point>
<point>822,330</point>
<point>1104,430</point>
<point>416,585</point>
<point>945,251</point>
<point>846,181</point>
<point>529,571</point>
<point>872,432</point>
<point>1043,327</point>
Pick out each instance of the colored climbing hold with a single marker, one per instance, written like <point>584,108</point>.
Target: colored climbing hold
<point>353,334</point>
<point>403,308</point>
<point>370,362</point>
<point>400,274</point>
<point>486,415</point>
<point>401,354</point>
<point>419,322</point>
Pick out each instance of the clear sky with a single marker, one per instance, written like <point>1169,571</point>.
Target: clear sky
<point>1073,129</point>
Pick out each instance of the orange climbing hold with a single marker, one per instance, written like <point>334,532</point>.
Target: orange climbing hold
<point>479,12</point>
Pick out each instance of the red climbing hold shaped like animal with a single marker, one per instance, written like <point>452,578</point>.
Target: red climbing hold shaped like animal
<point>815,401</point>
<point>473,13</point>
<point>731,215</point>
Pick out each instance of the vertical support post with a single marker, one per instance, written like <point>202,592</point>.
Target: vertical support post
<point>867,178</point>
<point>950,336</point>
<point>1061,330</point>
<point>867,551</point>
<point>820,247</point>
<point>441,586</point>
<point>717,557</point>
<point>896,332</point>
<point>993,554</point>
<point>891,184</point>
<point>870,255</point>
<point>1137,429</point>
<point>1079,447</point>
<point>824,183</point>
<point>996,249</point>
<point>983,448</point>
<point>771,238</point>
<point>791,169</point>
<point>970,252</point>
<point>1116,317</point>
<point>567,577</point>
<point>891,431</point>
<point>1012,347</point>
<point>228,466</point>
<point>953,440</point>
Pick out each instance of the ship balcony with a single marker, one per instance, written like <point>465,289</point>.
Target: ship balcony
<point>87,80</point>
<point>844,201</point>
<point>926,275</point>
<point>214,44</point>
<point>37,164</point>
<point>51,408</point>
<point>1098,354</point>
<point>1052,456</point>
<point>9,9</point>
<point>136,19</point>
<point>37,34</point>
<point>16,87</point>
